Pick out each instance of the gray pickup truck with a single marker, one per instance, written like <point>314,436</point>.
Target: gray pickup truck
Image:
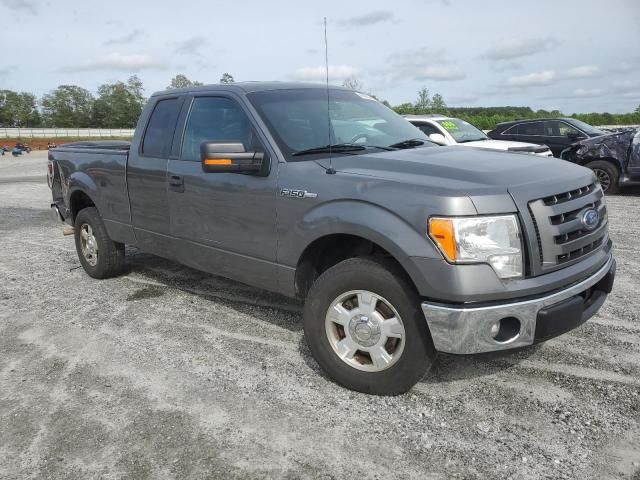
<point>400,249</point>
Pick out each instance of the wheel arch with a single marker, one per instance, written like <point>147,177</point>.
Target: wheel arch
<point>78,200</point>
<point>330,249</point>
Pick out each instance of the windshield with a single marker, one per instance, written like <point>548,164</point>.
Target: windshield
<point>297,119</point>
<point>586,128</point>
<point>462,131</point>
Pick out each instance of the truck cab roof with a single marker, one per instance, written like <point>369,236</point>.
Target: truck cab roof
<point>247,87</point>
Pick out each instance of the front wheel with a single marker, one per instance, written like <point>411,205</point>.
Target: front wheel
<point>365,327</point>
<point>608,175</point>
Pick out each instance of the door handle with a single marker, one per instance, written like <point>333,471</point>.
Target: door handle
<point>176,183</point>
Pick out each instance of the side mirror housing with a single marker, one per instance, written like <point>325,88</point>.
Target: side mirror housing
<point>438,138</point>
<point>218,157</point>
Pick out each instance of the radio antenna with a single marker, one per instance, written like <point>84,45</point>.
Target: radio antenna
<point>330,170</point>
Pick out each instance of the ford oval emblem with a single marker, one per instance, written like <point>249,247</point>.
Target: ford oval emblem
<point>590,218</point>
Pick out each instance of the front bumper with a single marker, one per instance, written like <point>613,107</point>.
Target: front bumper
<point>464,330</point>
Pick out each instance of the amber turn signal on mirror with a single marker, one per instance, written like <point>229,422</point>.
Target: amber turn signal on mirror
<point>217,161</point>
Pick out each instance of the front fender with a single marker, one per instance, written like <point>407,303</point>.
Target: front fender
<point>362,219</point>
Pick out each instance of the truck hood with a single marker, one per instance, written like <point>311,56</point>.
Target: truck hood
<point>504,145</point>
<point>474,171</point>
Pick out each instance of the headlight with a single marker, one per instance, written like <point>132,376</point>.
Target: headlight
<point>492,240</point>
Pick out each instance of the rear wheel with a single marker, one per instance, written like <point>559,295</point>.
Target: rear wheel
<point>608,175</point>
<point>365,327</point>
<point>100,256</point>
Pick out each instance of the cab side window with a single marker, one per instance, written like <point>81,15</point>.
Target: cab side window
<point>161,127</point>
<point>216,119</point>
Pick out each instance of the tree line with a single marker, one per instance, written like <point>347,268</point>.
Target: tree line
<point>119,104</point>
<point>486,118</point>
<point>116,105</point>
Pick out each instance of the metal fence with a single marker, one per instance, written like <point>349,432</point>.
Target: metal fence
<point>64,132</point>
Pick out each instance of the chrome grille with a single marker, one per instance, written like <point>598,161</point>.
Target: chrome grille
<point>562,237</point>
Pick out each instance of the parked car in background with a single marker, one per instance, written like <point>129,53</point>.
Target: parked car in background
<point>454,131</point>
<point>557,133</point>
<point>614,158</point>
<point>611,155</point>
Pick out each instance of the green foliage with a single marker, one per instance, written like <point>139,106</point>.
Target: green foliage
<point>18,109</point>
<point>227,78</point>
<point>486,118</point>
<point>68,106</point>
<point>118,104</point>
<point>423,104</point>
<point>438,105</point>
<point>181,81</point>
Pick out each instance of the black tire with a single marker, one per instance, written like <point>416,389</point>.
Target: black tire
<point>608,175</point>
<point>416,357</point>
<point>109,260</point>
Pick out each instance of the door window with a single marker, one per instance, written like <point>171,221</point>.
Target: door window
<point>160,129</point>
<point>557,128</point>
<point>531,128</point>
<point>216,119</point>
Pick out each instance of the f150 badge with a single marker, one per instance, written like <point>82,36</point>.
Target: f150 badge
<point>292,193</point>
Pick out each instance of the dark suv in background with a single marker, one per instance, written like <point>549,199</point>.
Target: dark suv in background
<point>614,157</point>
<point>556,133</point>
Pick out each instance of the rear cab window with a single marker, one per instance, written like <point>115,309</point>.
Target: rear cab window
<point>158,135</point>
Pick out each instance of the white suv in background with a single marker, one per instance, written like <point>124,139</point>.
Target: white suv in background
<point>453,131</point>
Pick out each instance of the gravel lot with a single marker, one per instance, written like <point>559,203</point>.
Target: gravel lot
<point>168,372</point>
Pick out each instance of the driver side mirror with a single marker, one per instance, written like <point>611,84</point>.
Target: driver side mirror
<point>218,157</point>
<point>438,138</point>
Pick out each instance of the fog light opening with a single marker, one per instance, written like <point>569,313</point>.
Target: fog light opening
<point>505,330</point>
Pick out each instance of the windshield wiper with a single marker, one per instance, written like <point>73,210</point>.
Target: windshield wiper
<point>338,148</point>
<point>472,140</point>
<point>411,143</point>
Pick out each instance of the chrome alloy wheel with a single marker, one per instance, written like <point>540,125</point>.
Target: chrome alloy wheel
<point>603,178</point>
<point>365,330</point>
<point>89,244</point>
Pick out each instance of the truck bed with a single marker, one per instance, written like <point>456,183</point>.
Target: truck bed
<point>96,145</point>
<point>97,168</point>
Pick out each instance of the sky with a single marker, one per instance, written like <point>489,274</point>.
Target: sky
<point>570,55</point>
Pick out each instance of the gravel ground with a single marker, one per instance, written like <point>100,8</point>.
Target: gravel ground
<point>167,372</point>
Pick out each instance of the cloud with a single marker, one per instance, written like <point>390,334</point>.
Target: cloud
<point>584,71</point>
<point>26,6</point>
<point>372,18</point>
<point>422,64</point>
<point>532,79</point>
<point>582,92</point>
<point>505,66</point>
<point>116,61</point>
<point>6,71</point>
<point>191,45</point>
<point>319,74</point>
<point>124,39</point>
<point>624,86</point>
<point>512,49</point>
<point>439,72</point>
